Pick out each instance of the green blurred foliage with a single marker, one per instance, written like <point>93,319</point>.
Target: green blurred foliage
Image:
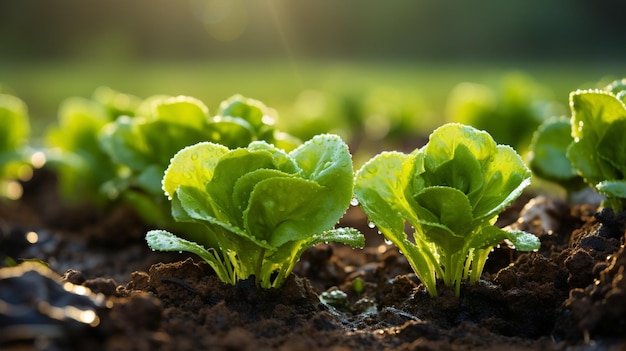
<point>510,111</point>
<point>14,145</point>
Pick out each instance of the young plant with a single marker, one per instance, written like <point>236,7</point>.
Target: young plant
<point>450,192</point>
<point>598,150</point>
<point>260,206</point>
<point>14,133</point>
<point>73,150</point>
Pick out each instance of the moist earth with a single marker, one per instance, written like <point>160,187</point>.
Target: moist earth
<point>88,281</point>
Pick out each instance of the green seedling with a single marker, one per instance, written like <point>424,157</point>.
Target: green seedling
<point>598,150</point>
<point>450,192</point>
<point>261,207</point>
<point>73,151</point>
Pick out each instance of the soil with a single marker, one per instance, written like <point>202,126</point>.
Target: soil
<point>87,281</point>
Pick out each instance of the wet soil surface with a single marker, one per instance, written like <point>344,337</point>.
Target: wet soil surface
<point>103,289</point>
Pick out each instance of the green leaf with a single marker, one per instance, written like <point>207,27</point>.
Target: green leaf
<point>548,157</point>
<point>245,184</point>
<point>181,110</point>
<point>612,146</point>
<point>250,110</point>
<point>230,168</point>
<point>612,188</point>
<point>192,166</point>
<point>274,214</point>
<point>448,218</point>
<point>379,187</point>
<point>165,241</point>
<point>593,113</point>
<point>232,132</point>
<point>444,141</point>
<point>523,241</point>
<point>507,176</point>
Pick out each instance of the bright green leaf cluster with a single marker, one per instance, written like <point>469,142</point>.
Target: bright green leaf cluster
<point>598,150</point>
<point>261,206</point>
<point>451,192</point>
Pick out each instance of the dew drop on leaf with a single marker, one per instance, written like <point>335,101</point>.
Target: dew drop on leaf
<point>354,201</point>
<point>388,242</point>
<point>371,224</point>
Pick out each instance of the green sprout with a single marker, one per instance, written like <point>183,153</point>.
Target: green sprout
<point>261,207</point>
<point>450,192</point>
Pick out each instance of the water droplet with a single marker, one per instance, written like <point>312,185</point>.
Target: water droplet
<point>371,224</point>
<point>354,201</point>
<point>388,242</point>
<point>371,169</point>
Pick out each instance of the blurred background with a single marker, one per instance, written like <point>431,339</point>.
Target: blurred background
<point>381,72</point>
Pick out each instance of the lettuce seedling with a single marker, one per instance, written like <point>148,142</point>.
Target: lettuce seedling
<point>73,150</point>
<point>450,191</point>
<point>548,156</point>
<point>14,133</point>
<point>261,207</point>
<point>598,151</point>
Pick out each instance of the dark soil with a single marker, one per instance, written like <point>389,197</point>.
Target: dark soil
<point>571,295</point>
